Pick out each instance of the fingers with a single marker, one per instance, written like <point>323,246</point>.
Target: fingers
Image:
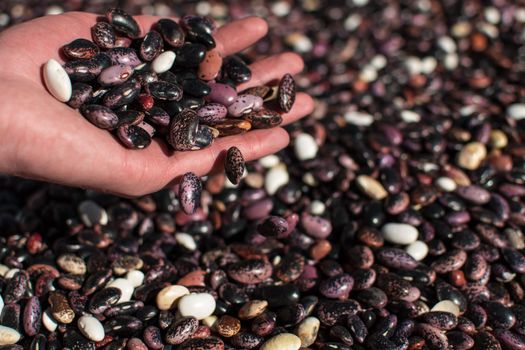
<point>303,106</point>
<point>273,68</point>
<point>155,167</point>
<point>230,38</point>
<point>238,35</point>
<point>253,145</point>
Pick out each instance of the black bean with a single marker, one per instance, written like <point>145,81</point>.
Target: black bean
<point>234,165</point>
<point>237,70</point>
<point>123,22</point>
<point>103,299</point>
<point>151,46</point>
<point>171,32</point>
<point>181,330</point>
<point>80,49</point>
<point>103,35</point>
<point>165,91</point>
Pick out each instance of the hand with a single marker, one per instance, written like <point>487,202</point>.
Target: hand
<point>42,138</point>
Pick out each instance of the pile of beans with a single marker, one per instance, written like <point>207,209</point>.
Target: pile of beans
<point>393,221</point>
<point>172,82</point>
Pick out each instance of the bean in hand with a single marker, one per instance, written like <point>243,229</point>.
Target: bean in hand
<point>175,75</point>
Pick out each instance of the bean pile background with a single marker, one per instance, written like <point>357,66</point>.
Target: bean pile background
<point>418,121</point>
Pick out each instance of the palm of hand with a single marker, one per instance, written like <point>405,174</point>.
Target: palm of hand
<point>46,139</point>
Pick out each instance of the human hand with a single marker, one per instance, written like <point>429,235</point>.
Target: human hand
<point>45,139</point>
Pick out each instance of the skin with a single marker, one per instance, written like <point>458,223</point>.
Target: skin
<point>45,139</point>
